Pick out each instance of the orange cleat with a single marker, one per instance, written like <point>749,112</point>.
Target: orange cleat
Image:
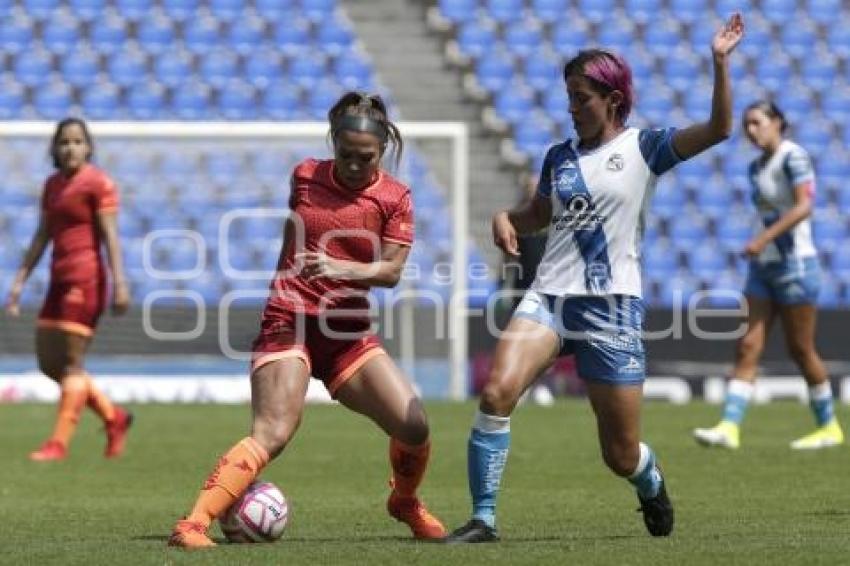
<point>411,511</point>
<point>189,534</point>
<point>50,451</point>
<point>116,433</point>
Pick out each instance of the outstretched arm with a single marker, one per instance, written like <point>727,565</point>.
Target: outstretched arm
<point>697,138</point>
<point>33,254</point>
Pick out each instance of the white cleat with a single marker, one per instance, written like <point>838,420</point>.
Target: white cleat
<point>724,435</point>
<point>825,437</point>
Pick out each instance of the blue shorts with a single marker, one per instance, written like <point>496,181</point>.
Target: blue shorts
<point>603,332</point>
<point>789,282</point>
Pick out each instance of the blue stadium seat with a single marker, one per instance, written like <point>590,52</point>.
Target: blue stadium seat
<point>736,230</point>
<point>218,66</point>
<point>130,225</point>
<point>725,8</point>
<point>495,70</point>
<point>759,33</point>
<point>668,199</point>
<point>657,107</point>
<point>101,102</point>
<point>642,11</point>
<point>707,259</point>
<point>523,37</point>
<point>33,67</point>
<point>353,73</point>
<point>617,34</point>
<point>201,35</point>
<point>725,288</point>
<point>281,101</point>
<point>829,230</point>
<point>237,101</point>
<point>307,70</point>
<point>39,9</point>
<point>11,100</point>
<point>543,72</point>
<point>800,39</point>
<point>823,11</point>
<point>681,69</point>
<point>132,10</point>
<point>688,11</point>
<point>87,10</point>
<point>814,135</point>
<point>514,104</point>
<point>779,12</point>
<point>504,11</point>
<point>318,11</point>
<point>696,101</point>
<point>208,285</point>
<point>82,69</point>
<point>830,295</point>
<point>223,167</point>
<point>832,169</point>
<point>263,68</point>
<point>568,40</point>
<point>146,101</point>
<point>53,101</point>
<point>16,34</point>
<point>291,36</point>
<point>477,37</point>
<point>172,70</point>
<point>334,37</point>
<point>180,10</point>
<point>688,229</point>
<point>246,35</point>
<point>322,97</point>
<point>107,34</point>
<point>191,101</point>
<point>276,10</point>
<point>663,37</point>
<point>533,136</point>
<point>155,35</point>
<point>796,101</point>
<point>713,197</point>
<point>549,11</point>
<point>677,290</point>
<point>660,258</point>
<point>820,71</point>
<point>773,72</point>
<point>226,10</point>
<point>596,11</point>
<point>60,34</point>
<point>127,66</point>
<point>458,11</point>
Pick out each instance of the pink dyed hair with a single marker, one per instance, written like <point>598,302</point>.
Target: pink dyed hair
<point>608,72</point>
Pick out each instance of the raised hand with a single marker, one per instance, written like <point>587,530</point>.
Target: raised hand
<point>728,37</point>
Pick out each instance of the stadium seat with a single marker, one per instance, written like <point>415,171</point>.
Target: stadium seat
<point>33,68</point>
<point>820,71</point>
<point>658,107</point>
<point>172,70</point>
<point>724,288</point>
<point>102,101</point>
<point>353,73</point>
<point>180,10</point>
<point>60,34</point>
<point>127,66</point>
<point>713,197</point>
<point>772,72</point>
<point>543,72</point>
<point>495,70</point>
<point>800,39</point>
<point>237,101</point>
<point>830,295</point>
<point>334,37</point>
<point>53,101</point>
<point>208,285</point>
<point>322,97</point>
<point>107,33</point>
<point>318,11</point>
<point>191,101</point>
<point>477,36</point>
<point>736,229</point>
<point>245,35</point>
<point>281,101</point>
<point>663,37</point>
<point>822,11</point>
<point>226,10</point>
<point>706,260</point>
<point>82,69</point>
<point>523,37</point>
<point>681,69</point>
<point>759,33</point>
<point>132,10</point>
<point>668,199</point>
<point>218,66</point>
<point>155,35</point>
<point>642,11</point>
<point>814,135</point>
<point>201,35</point>
<point>16,34</point>
<point>725,8</point>
<point>39,9</point>
<point>796,101</point>
<point>596,11</point>
<point>549,11</point>
<point>146,101</point>
<point>533,137</point>
<point>677,290</point>
<point>514,104</point>
<point>504,11</point>
<point>291,36</point>
<point>458,11</point>
<point>87,10</point>
<point>12,96</point>
<point>568,40</point>
<point>687,11</point>
<point>779,12</point>
<point>275,11</point>
<point>263,68</point>
<point>618,35</point>
<point>688,229</point>
<point>307,70</point>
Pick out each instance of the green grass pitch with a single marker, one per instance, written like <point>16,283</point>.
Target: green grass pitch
<point>559,505</point>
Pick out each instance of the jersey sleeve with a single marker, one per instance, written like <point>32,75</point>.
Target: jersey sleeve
<point>544,183</point>
<point>399,225</point>
<point>798,168</point>
<point>656,146</point>
<point>105,195</point>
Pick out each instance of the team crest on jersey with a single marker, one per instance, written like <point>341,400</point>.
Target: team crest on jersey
<point>615,162</point>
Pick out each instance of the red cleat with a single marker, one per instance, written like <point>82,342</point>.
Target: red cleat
<point>49,451</point>
<point>411,511</point>
<point>189,535</point>
<point>116,433</point>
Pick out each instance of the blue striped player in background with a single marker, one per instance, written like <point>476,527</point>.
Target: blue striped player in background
<point>783,280</point>
<point>586,297</point>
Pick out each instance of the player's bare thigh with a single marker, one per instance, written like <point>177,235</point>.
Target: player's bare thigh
<point>525,349</point>
<point>278,389</point>
<point>381,391</point>
<point>59,352</point>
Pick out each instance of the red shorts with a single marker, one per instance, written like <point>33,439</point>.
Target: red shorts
<point>73,307</point>
<point>329,357</point>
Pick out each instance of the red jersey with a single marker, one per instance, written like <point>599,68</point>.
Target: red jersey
<point>70,206</point>
<point>341,223</point>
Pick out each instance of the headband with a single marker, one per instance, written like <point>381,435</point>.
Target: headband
<point>362,124</point>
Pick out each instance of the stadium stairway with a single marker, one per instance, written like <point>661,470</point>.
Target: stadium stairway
<point>410,63</point>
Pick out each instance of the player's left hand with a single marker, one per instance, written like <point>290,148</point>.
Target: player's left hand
<point>120,299</point>
<point>754,248</point>
<point>320,265</point>
<point>728,37</point>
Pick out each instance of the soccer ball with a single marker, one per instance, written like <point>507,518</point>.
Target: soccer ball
<point>260,515</point>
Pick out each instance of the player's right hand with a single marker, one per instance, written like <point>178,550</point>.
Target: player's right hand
<point>504,234</point>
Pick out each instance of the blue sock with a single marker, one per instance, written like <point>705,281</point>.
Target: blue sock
<point>820,400</point>
<point>487,453</point>
<point>646,477</point>
<point>738,396</point>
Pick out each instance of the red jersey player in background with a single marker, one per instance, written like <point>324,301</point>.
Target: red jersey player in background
<point>351,228</point>
<point>78,213</point>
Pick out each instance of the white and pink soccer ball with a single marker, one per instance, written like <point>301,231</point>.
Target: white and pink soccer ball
<point>260,515</point>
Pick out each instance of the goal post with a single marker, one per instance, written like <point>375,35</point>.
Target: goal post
<point>455,134</point>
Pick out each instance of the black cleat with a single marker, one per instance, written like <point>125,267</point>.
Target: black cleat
<point>475,530</point>
<point>658,515</point>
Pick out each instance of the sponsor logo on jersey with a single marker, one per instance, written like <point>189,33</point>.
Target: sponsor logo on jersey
<point>615,162</point>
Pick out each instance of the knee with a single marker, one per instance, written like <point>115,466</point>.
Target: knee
<point>498,397</point>
<point>414,428</point>
<point>621,457</point>
<point>750,346</point>
<point>274,434</point>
